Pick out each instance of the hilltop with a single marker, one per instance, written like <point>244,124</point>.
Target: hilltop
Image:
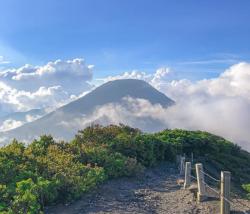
<point>46,171</point>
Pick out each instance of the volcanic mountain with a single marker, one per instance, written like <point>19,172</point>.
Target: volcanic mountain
<point>65,121</point>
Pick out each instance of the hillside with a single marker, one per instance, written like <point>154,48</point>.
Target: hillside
<point>64,122</point>
<point>47,172</point>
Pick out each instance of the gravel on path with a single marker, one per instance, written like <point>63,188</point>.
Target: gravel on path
<point>155,191</point>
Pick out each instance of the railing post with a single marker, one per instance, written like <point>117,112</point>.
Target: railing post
<point>182,166</point>
<point>225,192</point>
<point>201,194</point>
<point>187,175</point>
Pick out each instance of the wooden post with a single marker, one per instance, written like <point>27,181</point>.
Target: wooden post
<point>225,192</point>
<point>187,175</point>
<point>182,166</point>
<point>201,194</point>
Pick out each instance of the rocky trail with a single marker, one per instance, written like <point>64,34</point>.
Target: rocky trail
<point>156,191</point>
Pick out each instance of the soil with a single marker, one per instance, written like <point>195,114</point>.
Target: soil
<point>155,191</point>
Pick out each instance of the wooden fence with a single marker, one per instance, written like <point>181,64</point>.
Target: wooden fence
<point>202,187</point>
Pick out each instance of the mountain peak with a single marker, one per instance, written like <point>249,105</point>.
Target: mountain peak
<point>82,108</point>
<point>114,91</point>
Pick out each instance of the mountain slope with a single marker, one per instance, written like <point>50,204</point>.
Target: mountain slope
<point>20,117</point>
<point>113,91</point>
<point>65,121</point>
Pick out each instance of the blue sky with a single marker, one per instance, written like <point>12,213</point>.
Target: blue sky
<point>197,39</point>
<point>201,42</point>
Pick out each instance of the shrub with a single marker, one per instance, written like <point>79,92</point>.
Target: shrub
<point>132,167</point>
<point>47,171</point>
<point>26,198</point>
<point>246,187</point>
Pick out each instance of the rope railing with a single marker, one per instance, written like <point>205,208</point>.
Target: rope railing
<point>210,176</point>
<point>211,188</point>
<point>235,205</point>
<point>193,177</point>
<point>223,194</point>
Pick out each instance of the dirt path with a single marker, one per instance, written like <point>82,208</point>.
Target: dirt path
<point>156,191</point>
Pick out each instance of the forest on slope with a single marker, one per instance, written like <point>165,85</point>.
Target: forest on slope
<point>47,172</point>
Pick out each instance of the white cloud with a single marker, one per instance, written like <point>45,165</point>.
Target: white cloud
<point>160,74</point>
<point>30,118</point>
<point>13,100</point>
<point>234,82</point>
<point>219,105</point>
<point>76,66</point>
<point>10,124</point>
<point>229,118</point>
<point>15,120</point>
<point>129,75</point>
<point>48,86</point>
<point>63,73</point>
<point>138,113</point>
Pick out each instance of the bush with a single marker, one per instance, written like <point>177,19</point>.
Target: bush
<point>46,171</point>
<point>26,199</point>
<point>246,187</point>
<point>132,167</point>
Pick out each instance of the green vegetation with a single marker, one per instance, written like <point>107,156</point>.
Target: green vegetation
<point>246,187</point>
<point>47,172</point>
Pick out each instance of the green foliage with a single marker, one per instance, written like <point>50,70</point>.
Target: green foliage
<point>212,150</point>
<point>26,198</point>
<point>46,171</point>
<point>246,187</point>
<point>3,197</point>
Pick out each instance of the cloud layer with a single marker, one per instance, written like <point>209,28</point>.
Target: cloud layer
<point>50,85</point>
<point>220,105</point>
<point>10,124</point>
